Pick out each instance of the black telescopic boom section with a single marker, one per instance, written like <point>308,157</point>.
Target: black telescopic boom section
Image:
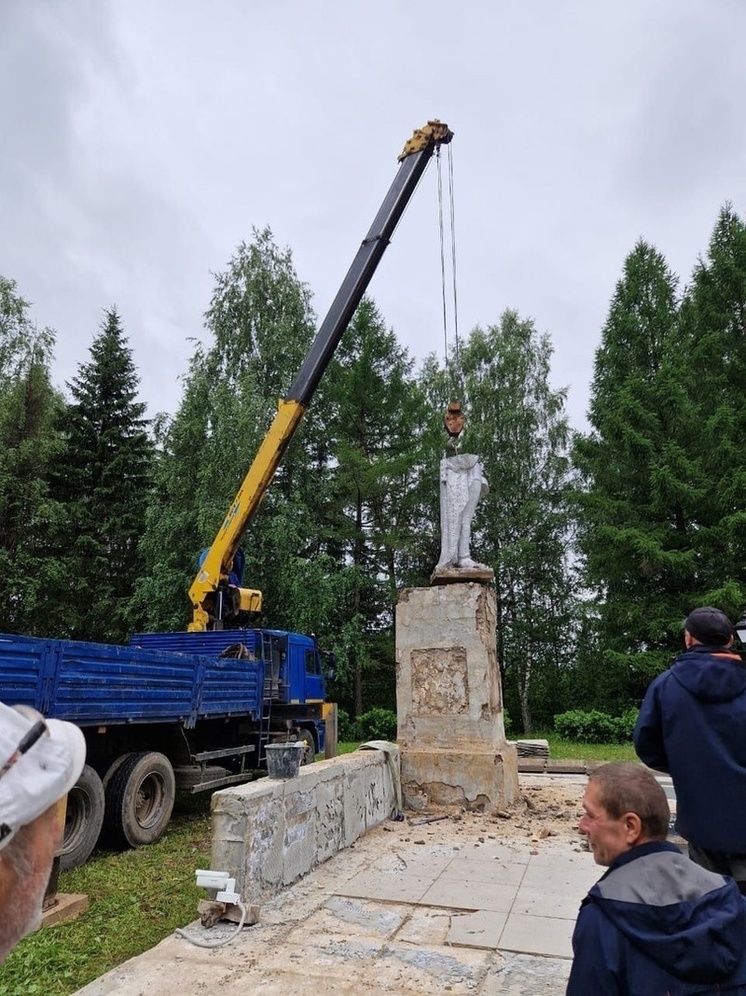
<point>359,275</point>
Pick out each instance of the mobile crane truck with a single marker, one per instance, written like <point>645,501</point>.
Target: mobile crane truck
<point>195,710</point>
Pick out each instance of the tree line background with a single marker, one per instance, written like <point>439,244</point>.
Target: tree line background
<point>601,542</point>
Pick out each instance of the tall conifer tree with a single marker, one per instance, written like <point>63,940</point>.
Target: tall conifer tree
<point>640,481</point>
<point>373,413</point>
<point>104,481</point>
<point>712,365</point>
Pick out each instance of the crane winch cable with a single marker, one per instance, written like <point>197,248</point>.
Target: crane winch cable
<point>453,251</point>
<point>441,228</point>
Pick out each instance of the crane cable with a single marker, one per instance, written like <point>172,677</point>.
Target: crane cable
<point>452,226</point>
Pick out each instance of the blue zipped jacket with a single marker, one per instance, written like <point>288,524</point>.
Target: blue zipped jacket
<point>692,725</point>
<point>656,924</point>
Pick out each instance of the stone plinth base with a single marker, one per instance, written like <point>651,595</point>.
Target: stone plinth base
<point>475,780</point>
<point>449,702</point>
<point>462,575</point>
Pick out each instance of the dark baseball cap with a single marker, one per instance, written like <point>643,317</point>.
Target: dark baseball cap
<point>710,626</point>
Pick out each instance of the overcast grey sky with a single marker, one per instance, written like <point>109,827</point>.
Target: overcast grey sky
<point>142,139</point>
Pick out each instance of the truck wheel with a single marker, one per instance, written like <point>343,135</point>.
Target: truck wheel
<point>83,818</point>
<point>114,767</point>
<point>305,737</point>
<point>139,799</point>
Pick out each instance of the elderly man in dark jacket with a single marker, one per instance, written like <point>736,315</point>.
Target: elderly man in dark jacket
<point>655,924</point>
<point>692,724</point>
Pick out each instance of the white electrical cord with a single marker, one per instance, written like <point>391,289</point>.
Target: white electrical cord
<point>215,944</point>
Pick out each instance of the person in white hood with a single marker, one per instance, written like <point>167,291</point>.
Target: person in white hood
<point>40,761</point>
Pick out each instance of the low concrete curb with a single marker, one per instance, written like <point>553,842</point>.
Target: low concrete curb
<point>269,833</point>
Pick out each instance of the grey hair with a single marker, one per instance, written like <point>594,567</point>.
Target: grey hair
<point>629,787</point>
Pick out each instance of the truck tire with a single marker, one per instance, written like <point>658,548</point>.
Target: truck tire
<point>83,819</point>
<point>305,737</point>
<point>139,799</point>
<point>114,767</point>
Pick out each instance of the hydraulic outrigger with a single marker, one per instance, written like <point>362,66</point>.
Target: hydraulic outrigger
<point>213,599</point>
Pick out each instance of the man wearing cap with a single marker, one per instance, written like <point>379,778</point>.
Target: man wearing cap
<point>40,761</point>
<point>692,725</point>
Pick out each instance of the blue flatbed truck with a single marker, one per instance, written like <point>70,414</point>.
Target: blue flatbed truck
<point>172,711</point>
<point>195,710</point>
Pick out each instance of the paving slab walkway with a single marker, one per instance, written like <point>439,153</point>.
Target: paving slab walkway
<point>467,904</point>
<point>454,906</point>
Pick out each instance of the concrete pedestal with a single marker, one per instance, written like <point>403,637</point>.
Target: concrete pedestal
<point>449,703</point>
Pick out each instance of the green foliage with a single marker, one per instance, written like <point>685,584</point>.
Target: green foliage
<point>22,343</point>
<point>367,509</point>
<point>376,724</point>
<point>594,726</point>
<point>661,508</point>
<point>28,445</point>
<point>507,722</point>
<point>345,726</point>
<point>103,478</point>
<point>259,325</point>
<point>712,369</point>
<point>641,480</point>
<point>518,427</point>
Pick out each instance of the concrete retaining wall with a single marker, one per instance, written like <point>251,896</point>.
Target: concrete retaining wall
<point>269,833</point>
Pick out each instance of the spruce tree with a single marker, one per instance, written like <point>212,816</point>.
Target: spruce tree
<point>373,410</point>
<point>104,481</point>
<point>712,367</point>
<point>641,482</point>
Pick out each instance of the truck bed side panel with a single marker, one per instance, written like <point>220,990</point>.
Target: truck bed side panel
<point>232,687</point>
<point>212,643</point>
<point>22,671</point>
<point>125,685</point>
<point>97,685</point>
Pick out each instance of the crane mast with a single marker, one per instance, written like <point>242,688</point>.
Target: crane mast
<point>213,600</point>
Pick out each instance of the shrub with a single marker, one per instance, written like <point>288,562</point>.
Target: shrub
<point>377,724</point>
<point>626,723</point>
<point>345,727</point>
<point>595,727</point>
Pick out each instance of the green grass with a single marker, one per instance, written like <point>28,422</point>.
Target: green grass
<point>567,750</point>
<point>348,748</point>
<point>136,899</point>
<point>559,749</point>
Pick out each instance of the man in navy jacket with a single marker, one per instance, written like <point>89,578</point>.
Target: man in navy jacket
<point>692,724</point>
<point>655,924</point>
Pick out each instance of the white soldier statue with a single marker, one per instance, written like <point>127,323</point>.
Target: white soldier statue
<point>462,484</point>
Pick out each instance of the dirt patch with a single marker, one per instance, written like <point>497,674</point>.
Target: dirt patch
<point>541,815</point>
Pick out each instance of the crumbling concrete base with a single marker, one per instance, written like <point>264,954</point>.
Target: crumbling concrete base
<point>477,781</point>
<point>449,700</point>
